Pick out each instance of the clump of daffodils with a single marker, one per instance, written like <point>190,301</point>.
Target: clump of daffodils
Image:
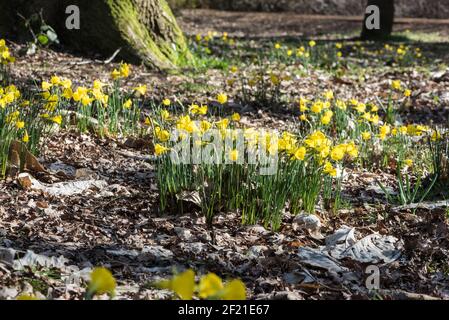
<point>5,54</point>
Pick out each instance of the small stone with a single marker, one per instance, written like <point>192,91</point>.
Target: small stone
<point>155,253</point>
<point>183,233</point>
<point>7,256</point>
<point>6,293</point>
<point>256,252</point>
<point>310,223</point>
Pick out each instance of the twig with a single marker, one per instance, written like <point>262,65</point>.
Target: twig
<point>113,56</point>
<point>27,24</point>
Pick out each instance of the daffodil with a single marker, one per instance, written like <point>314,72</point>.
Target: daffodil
<point>115,74</point>
<point>182,284</point>
<point>318,141</point>
<point>25,103</point>
<point>317,107</point>
<point>24,297</point>
<point>79,94</point>
<point>222,98</point>
<point>67,93</point>
<point>436,135</point>
<point>403,129</point>
<point>300,153</point>
<point>124,70</point>
<point>86,100</point>
<point>55,80</point>
<point>223,124</point>
<point>360,107</point>
<point>98,85</point>
<point>160,149</point>
<point>57,119</point>
<point>5,54</point>
<point>66,83</point>
<point>128,104</point>
<point>209,286</point>
<point>366,116</point>
<point>366,135</point>
<point>205,126</point>
<point>162,135</point>
<point>46,85</point>
<point>20,124</point>
<point>416,130</point>
<point>233,69</point>
<point>325,120</point>
<point>101,281</point>
<point>234,290</point>
<point>338,153</point>
<point>26,137</point>
<point>274,79</point>
<point>396,85</point>
<point>351,150</point>
<point>329,169</point>
<point>303,105</point>
<point>165,115</point>
<point>141,89</point>
<point>384,131</point>
<point>408,162</point>
<point>196,109</point>
<point>233,155</point>
<point>329,95</point>
<point>185,123</point>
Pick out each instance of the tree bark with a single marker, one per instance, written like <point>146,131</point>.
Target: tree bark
<point>146,30</point>
<point>386,8</point>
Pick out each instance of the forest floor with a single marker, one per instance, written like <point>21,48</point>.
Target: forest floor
<point>114,219</point>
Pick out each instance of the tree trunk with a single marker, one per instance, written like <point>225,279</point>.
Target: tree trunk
<point>146,30</point>
<point>386,9</point>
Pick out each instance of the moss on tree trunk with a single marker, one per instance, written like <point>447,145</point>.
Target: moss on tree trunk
<point>146,30</point>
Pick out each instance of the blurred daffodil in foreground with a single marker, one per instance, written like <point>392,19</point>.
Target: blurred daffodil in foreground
<point>26,297</point>
<point>101,281</point>
<point>182,284</point>
<point>222,98</point>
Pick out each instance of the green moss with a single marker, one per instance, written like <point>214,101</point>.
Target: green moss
<point>154,35</point>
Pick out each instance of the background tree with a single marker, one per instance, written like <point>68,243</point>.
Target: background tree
<point>145,30</point>
<point>386,8</point>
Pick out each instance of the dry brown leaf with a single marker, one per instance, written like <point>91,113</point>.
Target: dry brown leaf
<point>21,158</point>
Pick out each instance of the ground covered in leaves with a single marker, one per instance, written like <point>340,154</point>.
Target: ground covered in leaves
<point>103,207</point>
